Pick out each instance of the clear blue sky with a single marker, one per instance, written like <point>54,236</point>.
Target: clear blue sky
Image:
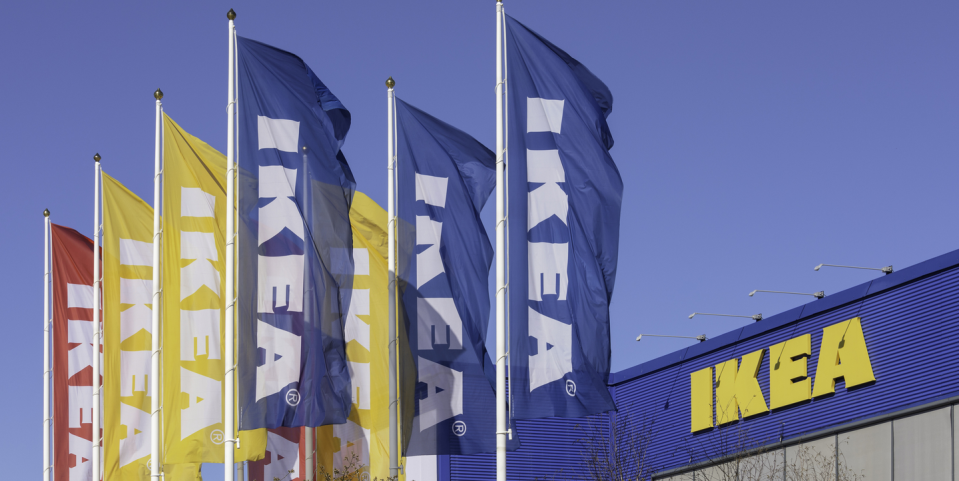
<point>755,139</point>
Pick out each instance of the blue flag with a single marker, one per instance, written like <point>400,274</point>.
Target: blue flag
<point>294,265</point>
<point>444,178</point>
<point>565,195</point>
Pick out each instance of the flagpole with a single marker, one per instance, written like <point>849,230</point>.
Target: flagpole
<point>391,262</point>
<point>155,463</point>
<point>308,432</point>
<point>501,427</point>
<point>230,361</point>
<point>46,345</point>
<point>95,418</point>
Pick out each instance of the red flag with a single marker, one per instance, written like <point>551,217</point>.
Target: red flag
<point>72,354</point>
<point>285,452</point>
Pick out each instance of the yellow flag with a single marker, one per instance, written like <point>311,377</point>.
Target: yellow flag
<point>194,245</point>
<point>363,441</point>
<point>127,321</point>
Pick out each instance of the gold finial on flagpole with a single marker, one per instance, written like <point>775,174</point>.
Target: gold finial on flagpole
<point>96,157</point>
<point>158,94</point>
<point>46,212</point>
<point>231,14</point>
<point>390,83</point>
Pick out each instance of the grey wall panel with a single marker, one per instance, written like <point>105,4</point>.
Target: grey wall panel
<point>725,472</point>
<point>421,468</point>
<point>923,446</point>
<point>767,466</point>
<point>812,460</point>
<point>867,452</point>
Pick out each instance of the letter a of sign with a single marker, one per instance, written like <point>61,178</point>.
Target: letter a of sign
<point>843,355</point>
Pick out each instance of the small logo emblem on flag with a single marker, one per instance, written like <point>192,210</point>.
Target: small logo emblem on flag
<point>293,397</point>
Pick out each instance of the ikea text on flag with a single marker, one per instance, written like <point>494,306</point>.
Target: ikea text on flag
<point>194,244</point>
<point>565,196</point>
<point>72,354</point>
<point>365,435</point>
<point>127,336</point>
<point>285,456</point>
<point>294,263</point>
<point>444,178</point>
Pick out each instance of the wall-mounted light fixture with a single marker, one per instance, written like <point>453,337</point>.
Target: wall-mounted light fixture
<point>817,295</point>
<point>700,338</point>
<point>757,317</point>
<point>884,270</point>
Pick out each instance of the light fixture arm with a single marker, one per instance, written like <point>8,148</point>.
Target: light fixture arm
<point>884,270</point>
<point>756,317</point>
<point>817,295</point>
<point>700,338</point>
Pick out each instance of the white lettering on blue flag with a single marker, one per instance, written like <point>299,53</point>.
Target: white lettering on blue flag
<point>280,134</point>
<point>544,115</point>
<point>553,358</point>
<point>282,359</point>
<point>431,189</point>
<point>438,323</point>
<point>548,261</point>
<point>444,393</point>
<point>429,264</point>
<point>279,278</point>
<point>437,320</point>
<point>294,245</point>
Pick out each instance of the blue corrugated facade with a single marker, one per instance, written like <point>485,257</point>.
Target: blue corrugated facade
<point>907,319</point>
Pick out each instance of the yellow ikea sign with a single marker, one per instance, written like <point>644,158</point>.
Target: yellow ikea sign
<point>843,355</point>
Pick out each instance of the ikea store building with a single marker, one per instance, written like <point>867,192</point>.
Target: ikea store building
<point>861,384</point>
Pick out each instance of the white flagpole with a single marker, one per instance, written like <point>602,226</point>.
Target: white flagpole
<point>46,345</point>
<point>310,451</point>
<point>308,432</point>
<point>230,362</point>
<point>501,426</point>
<point>391,262</point>
<point>155,462</point>
<point>95,418</point>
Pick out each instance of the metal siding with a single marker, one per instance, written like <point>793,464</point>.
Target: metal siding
<point>910,358</point>
<point>550,449</point>
<point>903,319</point>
